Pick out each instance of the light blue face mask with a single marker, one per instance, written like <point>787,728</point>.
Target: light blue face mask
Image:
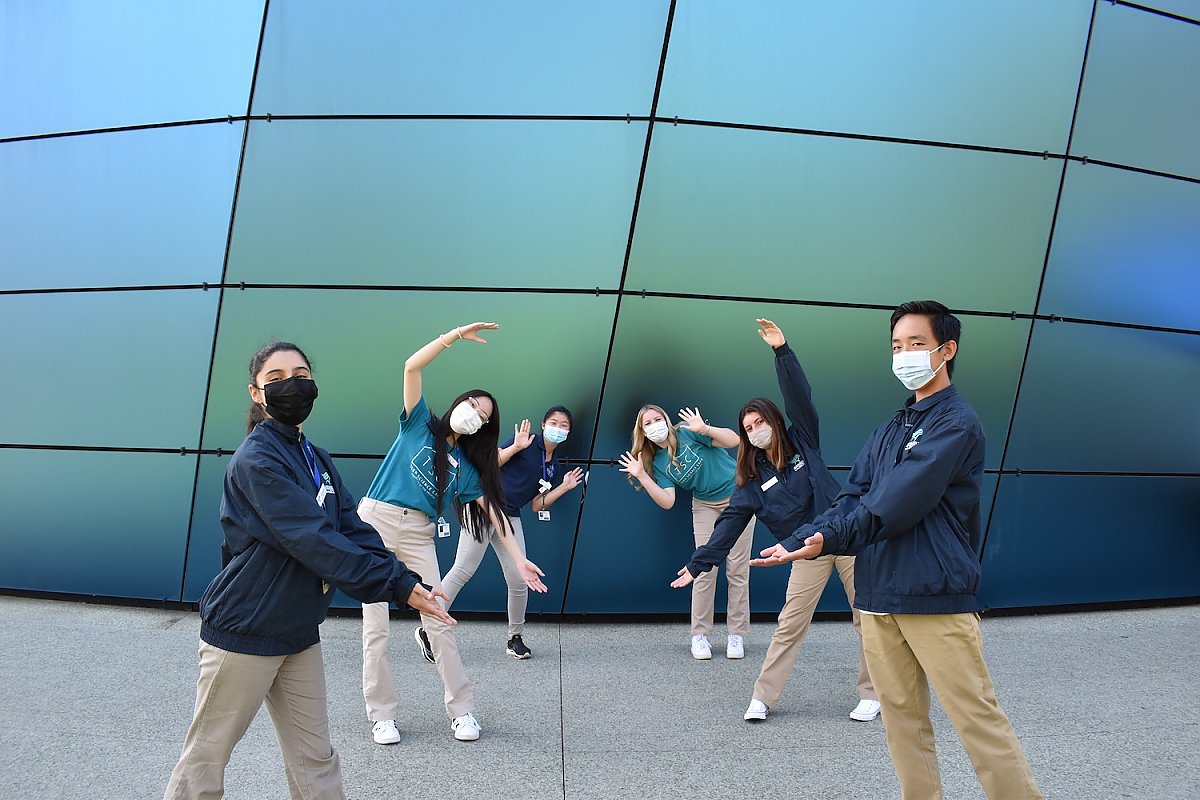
<point>555,435</point>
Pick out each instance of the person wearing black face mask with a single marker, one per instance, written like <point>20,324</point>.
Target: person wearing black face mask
<point>292,535</point>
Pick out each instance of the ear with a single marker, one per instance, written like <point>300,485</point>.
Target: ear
<point>256,394</point>
<point>949,350</point>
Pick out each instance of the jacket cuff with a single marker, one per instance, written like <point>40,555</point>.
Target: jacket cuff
<point>784,349</point>
<point>407,581</point>
<point>696,569</point>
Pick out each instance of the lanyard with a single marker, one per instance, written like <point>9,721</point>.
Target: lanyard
<point>310,458</point>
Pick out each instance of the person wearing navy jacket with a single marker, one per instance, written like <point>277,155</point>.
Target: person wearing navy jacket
<point>910,510</point>
<point>292,535</point>
<point>782,479</point>
<point>528,472</point>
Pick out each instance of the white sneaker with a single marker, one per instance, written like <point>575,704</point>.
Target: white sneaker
<point>756,712</point>
<point>465,728</point>
<point>734,647</point>
<point>701,649</point>
<point>865,711</point>
<point>385,732</point>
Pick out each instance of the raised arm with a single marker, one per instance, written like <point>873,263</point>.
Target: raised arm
<point>522,438</point>
<point>793,384</point>
<point>722,437</point>
<point>421,359</point>
<point>630,465</point>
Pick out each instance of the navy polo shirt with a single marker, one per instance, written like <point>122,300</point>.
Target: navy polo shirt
<point>520,476</point>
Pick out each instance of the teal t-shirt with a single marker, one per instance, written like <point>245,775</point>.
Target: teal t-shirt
<point>703,468</point>
<point>406,477</point>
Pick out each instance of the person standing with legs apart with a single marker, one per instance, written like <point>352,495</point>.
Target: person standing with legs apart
<point>910,510</point>
<point>434,460</point>
<point>783,481</point>
<point>291,537</point>
<point>693,456</point>
<point>528,468</point>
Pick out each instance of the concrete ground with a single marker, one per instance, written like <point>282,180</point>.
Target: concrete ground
<point>95,701</point>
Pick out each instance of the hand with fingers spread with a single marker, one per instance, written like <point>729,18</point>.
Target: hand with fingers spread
<point>770,333</point>
<point>572,478</point>
<point>630,465</point>
<point>690,418</point>
<point>522,438</point>
<point>532,575</point>
<point>683,580</point>
<point>778,554</point>
<point>425,601</point>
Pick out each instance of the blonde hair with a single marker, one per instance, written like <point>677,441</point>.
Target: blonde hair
<point>644,450</point>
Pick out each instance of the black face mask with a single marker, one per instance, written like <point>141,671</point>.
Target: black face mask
<point>290,401</point>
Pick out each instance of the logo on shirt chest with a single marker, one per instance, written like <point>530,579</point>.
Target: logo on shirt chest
<point>913,441</point>
<point>689,463</point>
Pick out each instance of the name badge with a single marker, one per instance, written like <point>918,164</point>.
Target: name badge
<point>770,483</point>
<point>543,486</point>
<point>443,528</point>
<point>325,490</point>
<point>453,461</point>
<point>544,515</point>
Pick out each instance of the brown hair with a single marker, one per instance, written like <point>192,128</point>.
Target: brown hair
<point>644,450</point>
<point>779,452</point>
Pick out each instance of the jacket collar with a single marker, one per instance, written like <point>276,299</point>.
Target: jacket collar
<point>931,401</point>
<point>289,432</point>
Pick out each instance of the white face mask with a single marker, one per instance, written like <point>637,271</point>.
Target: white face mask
<point>913,368</point>
<point>464,419</point>
<point>760,437</point>
<point>554,434</point>
<point>656,432</point>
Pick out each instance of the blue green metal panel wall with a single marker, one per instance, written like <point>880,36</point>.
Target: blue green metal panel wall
<point>501,214</point>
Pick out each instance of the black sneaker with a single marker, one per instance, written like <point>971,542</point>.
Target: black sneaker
<point>517,648</point>
<point>423,643</point>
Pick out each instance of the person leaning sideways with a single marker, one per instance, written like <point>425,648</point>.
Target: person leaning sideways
<point>434,460</point>
<point>693,456</point>
<point>291,536</point>
<point>910,510</point>
<point>528,468</point>
<point>783,481</point>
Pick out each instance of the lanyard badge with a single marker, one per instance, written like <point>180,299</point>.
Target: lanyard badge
<point>443,528</point>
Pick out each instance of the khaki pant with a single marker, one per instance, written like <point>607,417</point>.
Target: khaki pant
<point>737,574</point>
<point>805,585</point>
<point>470,555</point>
<point>408,534</point>
<point>231,689</point>
<point>907,653</point>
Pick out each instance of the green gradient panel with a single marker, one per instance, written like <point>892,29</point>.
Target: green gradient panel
<point>1126,248</point>
<point>120,532</point>
<point>1106,399</point>
<point>548,544</point>
<point>473,57</point>
<point>751,213</point>
<point>996,74</point>
<point>437,203</point>
<point>75,65</point>
<point>120,369</point>
<point>685,352</point>
<point>137,208</point>
<point>1140,103</point>
<point>1058,539</point>
<point>549,350</point>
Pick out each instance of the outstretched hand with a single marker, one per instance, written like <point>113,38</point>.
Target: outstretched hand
<point>521,435</point>
<point>472,331</point>
<point>690,418</point>
<point>629,464</point>
<point>532,576</point>
<point>770,333</point>
<point>778,554</point>
<point>572,478</point>
<point>425,601</point>
<point>683,580</point>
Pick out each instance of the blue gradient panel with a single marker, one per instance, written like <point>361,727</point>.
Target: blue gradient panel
<point>122,369</point>
<point>782,215</point>
<point>475,57</point>
<point>110,524</point>
<point>683,352</point>
<point>996,74</point>
<point>1069,539</point>
<point>549,350</point>
<point>437,203</point>
<point>1126,248</point>
<point>76,65</point>
<point>1140,103</point>
<point>136,209</point>
<point>1108,399</point>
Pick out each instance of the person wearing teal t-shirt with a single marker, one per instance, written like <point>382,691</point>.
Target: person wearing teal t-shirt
<point>434,462</point>
<point>692,456</point>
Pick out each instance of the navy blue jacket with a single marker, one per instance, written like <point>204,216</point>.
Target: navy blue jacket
<point>285,551</point>
<point>803,488</point>
<point>520,476</point>
<point>910,511</point>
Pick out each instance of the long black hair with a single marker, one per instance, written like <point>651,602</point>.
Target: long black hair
<point>256,414</point>
<point>480,448</point>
